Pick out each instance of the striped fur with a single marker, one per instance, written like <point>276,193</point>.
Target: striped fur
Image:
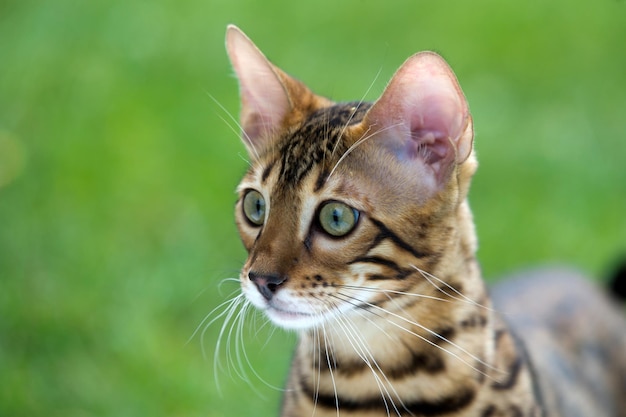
<point>393,317</point>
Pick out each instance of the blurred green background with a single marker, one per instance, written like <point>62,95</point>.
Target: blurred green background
<point>117,174</point>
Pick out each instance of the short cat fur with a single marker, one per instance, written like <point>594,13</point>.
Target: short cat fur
<point>393,316</point>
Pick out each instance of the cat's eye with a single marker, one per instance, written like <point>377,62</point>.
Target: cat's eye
<point>338,219</point>
<point>254,207</point>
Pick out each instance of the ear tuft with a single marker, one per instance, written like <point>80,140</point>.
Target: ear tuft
<point>264,99</point>
<point>423,116</point>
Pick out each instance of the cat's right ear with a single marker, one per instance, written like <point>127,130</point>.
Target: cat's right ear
<point>424,118</point>
<point>265,100</point>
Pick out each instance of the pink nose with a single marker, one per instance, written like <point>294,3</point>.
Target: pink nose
<point>267,284</point>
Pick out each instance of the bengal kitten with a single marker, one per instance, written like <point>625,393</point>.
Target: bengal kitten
<point>360,237</point>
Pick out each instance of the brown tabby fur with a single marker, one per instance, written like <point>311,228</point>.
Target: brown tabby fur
<point>394,317</point>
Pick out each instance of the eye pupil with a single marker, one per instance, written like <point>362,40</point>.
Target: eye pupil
<point>337,219</point>
<point>254,207</point>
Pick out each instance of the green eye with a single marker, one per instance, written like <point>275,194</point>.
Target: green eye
<point>254,207</point>
<point>338,219</point>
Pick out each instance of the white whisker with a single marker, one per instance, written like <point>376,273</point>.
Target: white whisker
<point>249,363</point>
<point>243,158</point>
<point>235,131</point>
<point>316,378</point>
<point>330,367</point>
<point>234,120</point>
<point>426,329</point>
<point>358,345</point>
<point>202,325</point>
<point>235,362</point>
<point>231,336</point>
<point>462,298</point>
<point>234,308</point>
<point>359,142</point>
<point>368,357</point>
<point>345,126</point>
<point>386,291</point>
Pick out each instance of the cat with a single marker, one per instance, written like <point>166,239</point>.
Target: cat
<point>360,237</point>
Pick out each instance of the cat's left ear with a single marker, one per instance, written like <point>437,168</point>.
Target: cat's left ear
<point>264,100</point>
<point>423,116</point>
<point>270,99</point>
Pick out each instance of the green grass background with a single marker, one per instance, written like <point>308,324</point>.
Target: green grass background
<point>117,173</point>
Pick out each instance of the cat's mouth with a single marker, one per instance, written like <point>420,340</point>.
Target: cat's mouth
<point>287,310</point>
<point>290,318</point>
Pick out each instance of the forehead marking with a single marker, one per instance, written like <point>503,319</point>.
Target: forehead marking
<point>317,141</point>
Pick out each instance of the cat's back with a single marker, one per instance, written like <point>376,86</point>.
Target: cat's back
<point>575,336</point>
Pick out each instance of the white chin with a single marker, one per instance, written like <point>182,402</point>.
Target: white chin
<point>285,313</point>
<point>292,320</point>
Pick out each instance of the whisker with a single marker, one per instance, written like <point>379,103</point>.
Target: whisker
<point>233,305</point>
<point>316,347</point>
<point>414,323</point>
<point>360,309</point>
<point>372,362</point>
<point>360,348</point>
<point>326,124</point>
<point>359,142</point>
<point>272,328</point>
<point>462,298</point>
<point>249,363</point>
<point>236,363</point>
<point>233,308</point>
<point>348,151</point>
<point>316,378</point>
<point>225,280</point>
<point>243,158</point>
<point>202,323</point>
<point>234,120</point>
<point>330,367</point>
<point>237,133</point>
<point>345,126</point>
<point>232,330</point>
<point>386,291</point>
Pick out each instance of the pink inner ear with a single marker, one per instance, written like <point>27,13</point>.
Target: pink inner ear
<point>437,112</point>
<point>432,120</point>
<point>264,100</point>
<point>424,98</point>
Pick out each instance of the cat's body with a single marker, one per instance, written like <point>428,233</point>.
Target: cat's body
<point>360,236</point>
<point>575,338</point>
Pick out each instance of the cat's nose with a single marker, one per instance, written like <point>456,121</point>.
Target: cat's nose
<point>267,284</point>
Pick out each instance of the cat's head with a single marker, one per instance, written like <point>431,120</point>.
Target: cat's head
<point>346,202</point>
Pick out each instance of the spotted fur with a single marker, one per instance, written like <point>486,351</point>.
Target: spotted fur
<point>393,316</point>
